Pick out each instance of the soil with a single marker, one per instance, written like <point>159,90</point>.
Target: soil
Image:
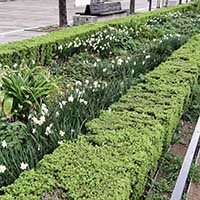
<point>194,192</point>
<point>194,188</point>
<point>184,134</point>
<point>179,148</point>
<point>50,28</point>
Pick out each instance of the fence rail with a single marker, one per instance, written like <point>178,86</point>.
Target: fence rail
<point>183,175</point>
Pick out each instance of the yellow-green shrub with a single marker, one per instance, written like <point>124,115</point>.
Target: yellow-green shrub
<point>124,144</point>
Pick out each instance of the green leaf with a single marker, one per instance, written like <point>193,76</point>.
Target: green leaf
<point>2,95</point>
<point>7,106</point>
<point>28,102</point>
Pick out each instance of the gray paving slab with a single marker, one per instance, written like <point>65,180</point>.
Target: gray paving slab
<point>19,15</point>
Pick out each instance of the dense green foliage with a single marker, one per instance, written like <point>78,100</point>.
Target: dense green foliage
<point>23,89</point>
<point>124,144</point>
<point>99,84</point>
<point>43,49</point>
<point>89,82</point>
<point>193,111</point>
<point>93,69</point>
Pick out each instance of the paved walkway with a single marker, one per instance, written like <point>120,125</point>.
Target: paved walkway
<point>19,15</point>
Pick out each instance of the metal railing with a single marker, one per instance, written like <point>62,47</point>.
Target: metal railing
<point>183,175</point>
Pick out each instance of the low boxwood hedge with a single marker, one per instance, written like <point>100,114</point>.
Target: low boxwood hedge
<point>96,83</point>
<point>44,48</point>
<point>124,144</point>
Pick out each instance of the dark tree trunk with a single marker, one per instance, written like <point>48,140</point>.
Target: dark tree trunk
<point>180,1</point>
<point>166,3</point>
<point>62,13</point>
<point>150,5</point>
<point>132,7</point>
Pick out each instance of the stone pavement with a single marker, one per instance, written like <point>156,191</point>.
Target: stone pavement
<point>19,15</point>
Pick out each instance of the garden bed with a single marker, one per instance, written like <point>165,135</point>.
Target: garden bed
<point>124,144</point>
<point>89,75</point>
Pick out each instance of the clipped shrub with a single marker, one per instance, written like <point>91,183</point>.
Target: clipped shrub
<point>44,48</point>
<point>124,144</point>
<point>100,84</point>
<point>91,84</point>
<point>193,111</point>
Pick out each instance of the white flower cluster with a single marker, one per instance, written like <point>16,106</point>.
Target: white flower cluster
<point>60,47</point>
<point>23,166</point>
<point>48,129</point>
<point>15,65</point>
<point>161,18</point>
<point>170,36</point>
<point>33,62</point>
<point>119,61</point>
<point>2,169</point>
<point>78,42</point>
<point>83,101</point>
<point>176,14</point>
<point>4,144</point>
<point>71,99</point>
<point>60,142</point>
<point>44,109</point>
<point>61,133</point>
<point>101,41</point>
<point>40,121</point>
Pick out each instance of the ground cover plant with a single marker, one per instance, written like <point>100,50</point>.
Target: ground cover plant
<point>124,143</point>
<point>162,188</point>
<point>88,82</point>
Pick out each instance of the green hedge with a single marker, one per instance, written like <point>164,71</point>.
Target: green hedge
<point>139,53</point>
<point>126,142</point>
<point>44,48</point>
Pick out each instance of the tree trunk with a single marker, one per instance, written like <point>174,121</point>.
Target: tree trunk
<point>132,6</point>
<point>62,13</point>
<point>166,3</point>
<point>180,1</point>
<point>150,5</point>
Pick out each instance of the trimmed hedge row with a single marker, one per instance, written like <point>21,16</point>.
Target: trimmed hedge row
<point>102,83</point>
<point>44,48</point>
<point>126,143</point>
<point>96,171</point>
<point>29,146</point>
